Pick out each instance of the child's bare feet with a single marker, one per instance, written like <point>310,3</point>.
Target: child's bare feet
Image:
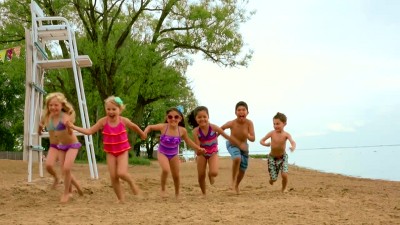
<point>212,179</point>
<point>284,190</point>
<point>65,198</point>
<point>135,189</point>
<point>237,191</point>
<point>55,183</point>
<point>271,182</point>
<point>163,194</point>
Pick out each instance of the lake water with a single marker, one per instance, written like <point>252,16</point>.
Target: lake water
<point>381,162</point>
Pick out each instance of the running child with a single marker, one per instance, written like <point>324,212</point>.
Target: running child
<point>172,131</point>
<point>206,135</point>
<point>241,129</point>
<point>278,158</point>
<point>64,144</point>
<point>116,143</point>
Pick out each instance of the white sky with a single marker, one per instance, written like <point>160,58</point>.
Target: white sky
<point>332,66</point>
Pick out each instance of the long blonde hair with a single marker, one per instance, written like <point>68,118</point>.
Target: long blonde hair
<point>66,106</point>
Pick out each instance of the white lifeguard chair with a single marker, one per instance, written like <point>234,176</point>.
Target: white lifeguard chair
<point>45,29</point>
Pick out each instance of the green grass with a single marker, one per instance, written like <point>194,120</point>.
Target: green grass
<point>139,161</point>
<point>259,156</point>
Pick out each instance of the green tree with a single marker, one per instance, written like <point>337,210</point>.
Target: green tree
<point>12,89</point>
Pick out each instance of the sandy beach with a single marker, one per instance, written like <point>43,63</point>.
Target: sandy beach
<point>313,198</point>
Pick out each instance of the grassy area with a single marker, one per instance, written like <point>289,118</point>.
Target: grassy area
<point>259,156</point>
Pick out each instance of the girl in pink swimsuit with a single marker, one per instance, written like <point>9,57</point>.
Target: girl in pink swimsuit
<point>206,135</point>
<point>116,143</point>
<point>172,131</point>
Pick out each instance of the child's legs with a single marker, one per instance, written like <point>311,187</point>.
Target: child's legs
<point>213,167</point>
<point>122,171</point>
<point>112,169</point>
<point>244,162</point>
<point>272,169</point>
<point>236,159</point>
<point>165,168</point>
<point>201,172</point>
<point>67,159</point>
<point>52,157</point>
<point>284,174</point>
<point>174,166</point>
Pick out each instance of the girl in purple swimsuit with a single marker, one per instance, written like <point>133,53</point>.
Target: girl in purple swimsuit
<point>172,131</point>
<point>64,145</point>
<point>206,135</point>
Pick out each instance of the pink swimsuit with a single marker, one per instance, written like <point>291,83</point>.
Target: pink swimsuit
<point>115,139</point>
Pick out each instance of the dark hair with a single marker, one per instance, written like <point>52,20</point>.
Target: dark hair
<point>192,115</point>
<point>242,103</point>
<point>280,116</point>
<point>182,122</point>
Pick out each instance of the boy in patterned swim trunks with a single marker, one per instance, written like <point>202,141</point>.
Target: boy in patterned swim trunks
<point>278,158</point>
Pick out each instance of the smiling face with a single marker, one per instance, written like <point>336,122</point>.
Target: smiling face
<point>112,110</point>
<point>54,106</point>
<point>202,118</point>
<point>278,125</point>
<point>173,118</point>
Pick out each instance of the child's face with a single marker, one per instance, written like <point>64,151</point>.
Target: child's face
<point>173,118</point>
<point>112,110</point>
<point>202,118</point>
<point>241,112</point>
<point>278,125</point>
<point>54,106</point>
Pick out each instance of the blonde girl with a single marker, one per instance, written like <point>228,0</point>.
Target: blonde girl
<point>64,145</point>
<point>116,143</point>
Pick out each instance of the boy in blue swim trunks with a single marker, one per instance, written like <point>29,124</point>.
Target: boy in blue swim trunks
<point>241,129</point>
<point>278,158</point>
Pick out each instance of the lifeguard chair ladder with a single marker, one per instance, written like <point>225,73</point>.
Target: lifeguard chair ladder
<point>45,29</point>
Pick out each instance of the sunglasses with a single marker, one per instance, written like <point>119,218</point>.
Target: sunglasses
<point>173,117</point>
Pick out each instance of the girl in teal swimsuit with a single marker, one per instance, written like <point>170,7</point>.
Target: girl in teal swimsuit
<point>172,131</point>
<point>64,145</point>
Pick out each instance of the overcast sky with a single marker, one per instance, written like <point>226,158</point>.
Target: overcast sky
<point>332,66</point>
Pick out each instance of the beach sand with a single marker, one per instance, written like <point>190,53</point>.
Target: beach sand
<point>314,198</point>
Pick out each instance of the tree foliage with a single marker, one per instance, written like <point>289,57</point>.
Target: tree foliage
<point>140,49</point>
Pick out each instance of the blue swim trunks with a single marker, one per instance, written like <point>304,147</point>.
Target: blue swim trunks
<point>236,153</point>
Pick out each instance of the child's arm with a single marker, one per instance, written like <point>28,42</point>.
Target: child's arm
<point>88,131</point>
<point>292,142</point>
<point>199,150</point>
<point>231,139</point>
<point>252,136</point>
<point>195,137</point>
<point>134,127</point>
<point>155,127</point>
<point>41,126</point>
<point>262,141</point>
<point>67,119</point>
<point>226,125</point>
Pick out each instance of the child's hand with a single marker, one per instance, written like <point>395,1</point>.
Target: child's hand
<point>267,144</point>
<point>201,151</point>
<point>244,147</point>
<point>291,148</point>
<point>143,136</point>
<point>70,125</point>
